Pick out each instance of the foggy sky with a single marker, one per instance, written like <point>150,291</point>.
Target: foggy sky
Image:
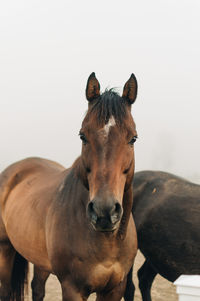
<point>49,48</point>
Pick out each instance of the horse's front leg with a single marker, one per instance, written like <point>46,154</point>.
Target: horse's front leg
<point>115,295</point>
<point>130,287</point>
<point>146,275</point>
<point>38,284</point>
<point>7,254</point>
<point>69,292</point>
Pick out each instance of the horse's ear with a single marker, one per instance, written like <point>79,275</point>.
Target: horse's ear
<point>130,89</point>
<point>92,88</point>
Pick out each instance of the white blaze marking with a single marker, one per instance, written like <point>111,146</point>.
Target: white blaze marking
<point>110,123</point>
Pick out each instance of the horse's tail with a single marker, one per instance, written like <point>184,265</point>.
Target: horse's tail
<point>19,280</point>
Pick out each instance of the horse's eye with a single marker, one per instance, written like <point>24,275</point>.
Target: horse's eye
<point>83,138</point>
<point>132,141</point>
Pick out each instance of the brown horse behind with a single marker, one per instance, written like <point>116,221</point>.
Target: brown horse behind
<point>75,223</point>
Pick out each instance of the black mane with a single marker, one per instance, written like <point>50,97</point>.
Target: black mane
<point>109,104</point>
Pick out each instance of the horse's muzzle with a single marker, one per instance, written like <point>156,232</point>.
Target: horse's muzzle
<point>104,218</point>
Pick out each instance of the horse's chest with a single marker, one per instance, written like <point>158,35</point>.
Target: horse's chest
<point>105,275</point>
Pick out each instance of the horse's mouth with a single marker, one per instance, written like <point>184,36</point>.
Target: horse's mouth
<point>105,229</point>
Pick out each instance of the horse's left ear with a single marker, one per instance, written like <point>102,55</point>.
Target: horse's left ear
<point>92,88</point>
<point>130,89</point>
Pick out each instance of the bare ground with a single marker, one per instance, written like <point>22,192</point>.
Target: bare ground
<point>162,289</point>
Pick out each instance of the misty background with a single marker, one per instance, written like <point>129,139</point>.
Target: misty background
<point>49,48</point>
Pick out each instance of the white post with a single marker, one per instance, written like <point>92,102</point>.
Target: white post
<point>188,287</point>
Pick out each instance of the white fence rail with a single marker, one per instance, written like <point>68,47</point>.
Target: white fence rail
<point>188,287</point>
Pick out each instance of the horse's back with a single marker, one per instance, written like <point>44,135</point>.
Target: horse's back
<point>156,190</point>
<point>25,170</point>
<point>28,166</point>
<point>166,212</point>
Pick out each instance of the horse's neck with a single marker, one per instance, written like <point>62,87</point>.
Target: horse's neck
<point>72,186</point>
<point>127,207</point>
<point>80,171</point>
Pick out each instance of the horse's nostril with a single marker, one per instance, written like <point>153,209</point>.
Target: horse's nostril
<point>116,213</point>
<point>118,208</point>
<point>91,206</point>
<point>91,212</point>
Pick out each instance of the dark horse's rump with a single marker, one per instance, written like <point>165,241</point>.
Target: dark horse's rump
<point>75,223</point>
<point>166,211</point>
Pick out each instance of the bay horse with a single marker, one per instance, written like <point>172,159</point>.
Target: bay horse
<point>166,210</point>
<point>75,223</point>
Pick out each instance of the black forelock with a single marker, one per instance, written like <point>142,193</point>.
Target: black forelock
<point>109,104</point>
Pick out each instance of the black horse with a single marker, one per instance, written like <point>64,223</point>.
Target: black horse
<point>166,210</point>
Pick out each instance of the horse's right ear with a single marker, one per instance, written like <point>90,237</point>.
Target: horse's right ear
<point>92,88</point>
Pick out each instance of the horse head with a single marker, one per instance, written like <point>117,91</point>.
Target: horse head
<point>108,134</point>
